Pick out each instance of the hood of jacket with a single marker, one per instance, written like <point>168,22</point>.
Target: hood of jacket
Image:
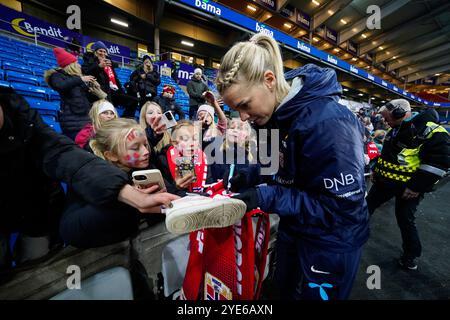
<point>317,83</point>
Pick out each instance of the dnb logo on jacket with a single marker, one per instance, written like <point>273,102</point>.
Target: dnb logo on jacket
<point>208,7</point>
<point>216,289</point>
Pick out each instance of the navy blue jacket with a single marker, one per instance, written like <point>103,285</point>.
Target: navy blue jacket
<point>319,189</point>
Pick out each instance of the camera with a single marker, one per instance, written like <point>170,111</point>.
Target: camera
<point>140,178</point>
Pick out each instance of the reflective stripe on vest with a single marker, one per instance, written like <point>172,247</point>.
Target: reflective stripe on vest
<point>391,175</point>
<point>408,159</point>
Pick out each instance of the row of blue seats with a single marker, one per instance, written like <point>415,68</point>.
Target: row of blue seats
<point>27,55</point>
<point>30,91</point>
<point>22,64</point>
<point>13,76</point>
<point>20,50</point>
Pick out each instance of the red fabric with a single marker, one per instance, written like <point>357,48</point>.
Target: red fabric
<point>85,135</point>
<point>201,167</point>
<point>372,150</point>
<point>169,89</point>
<point>227,263</point>
<point>63,58</point>
<point>109,71</point>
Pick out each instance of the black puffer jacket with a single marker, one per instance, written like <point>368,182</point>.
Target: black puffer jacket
<point>76,101</point>
<point>195,89</point>
<point>33,158</point>
<point>147,85</point>
<point>167,104</point>
<point>90,67</point>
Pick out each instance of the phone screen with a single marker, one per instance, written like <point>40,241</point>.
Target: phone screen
<point>186,166</point>
<point>169,116</point>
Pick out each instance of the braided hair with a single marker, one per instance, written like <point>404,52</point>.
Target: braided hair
<point>246,62</point>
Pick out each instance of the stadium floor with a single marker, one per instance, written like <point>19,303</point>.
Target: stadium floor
<point>432,279</point>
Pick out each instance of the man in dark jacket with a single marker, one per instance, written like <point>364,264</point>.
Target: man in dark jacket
<point>415,155</point>
<point>99,65</point>
<point>168,103</point>
<point>33,158</point>
<point>145,80</point>
<point>195,88</point>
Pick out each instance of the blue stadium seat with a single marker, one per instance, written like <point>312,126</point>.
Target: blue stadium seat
<point>30,91</point>
<point>4,84</point>
<point>15,66</point>
<point>5,49</point>
<point>13,76</point>
<point>44,107</point>
<point>38,71</point>
<point>2,74</point>
<point>10,58</point>
<point>32,59</point>
<point>51,122</point>
<point>53,95</point>
<point>42,65</point>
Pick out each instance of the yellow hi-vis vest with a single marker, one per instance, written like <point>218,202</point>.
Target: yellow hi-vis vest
<point>408,159</point>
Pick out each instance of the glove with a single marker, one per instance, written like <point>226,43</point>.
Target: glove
<point>250,197</point>
<point>237,182</point>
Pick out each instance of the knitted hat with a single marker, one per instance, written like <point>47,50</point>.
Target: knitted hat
<point>99,45</point>
<point>207,108</point>
<point>397,104</point>
<point>198,70</point>
<point>169,89</point>
<point>63,58</point>
<point>106,106</point>
<point>147,57</point>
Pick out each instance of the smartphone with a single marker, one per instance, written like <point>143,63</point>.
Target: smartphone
<point>185,166</point>
<point>146,178</point>
<point>168,119</point>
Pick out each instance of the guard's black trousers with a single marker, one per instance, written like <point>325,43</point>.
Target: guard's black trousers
<point>405,211</point>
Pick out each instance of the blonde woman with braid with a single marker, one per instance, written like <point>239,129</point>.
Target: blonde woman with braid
<point>318,191</point>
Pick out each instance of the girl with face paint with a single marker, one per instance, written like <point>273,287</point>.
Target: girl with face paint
<point>123,143</point>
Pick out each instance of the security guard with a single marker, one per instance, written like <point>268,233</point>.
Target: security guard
<point>415,155</point>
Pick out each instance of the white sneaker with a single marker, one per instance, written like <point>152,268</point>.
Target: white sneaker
<point>193,213</point>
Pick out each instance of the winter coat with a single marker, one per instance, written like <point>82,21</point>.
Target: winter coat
<point>221,159</point>
<point>167,104</point>
<point>416,154</point>
<point>145,86</point>
<point>85,135</point>
<point>33,159</point>
<point>195,89</point>
<point>76,101</point>
<point>319,191</point>
<point>90,67</point>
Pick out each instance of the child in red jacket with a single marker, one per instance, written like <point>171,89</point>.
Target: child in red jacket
<point>101,111</point>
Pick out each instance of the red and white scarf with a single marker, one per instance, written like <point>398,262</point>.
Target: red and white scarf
<point>227,263</point>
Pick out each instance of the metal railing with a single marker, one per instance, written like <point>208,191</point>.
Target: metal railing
<point>132,63</point>
<point>36,35</point>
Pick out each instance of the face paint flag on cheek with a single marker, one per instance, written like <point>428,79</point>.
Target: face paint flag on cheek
<point>132,159</point>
